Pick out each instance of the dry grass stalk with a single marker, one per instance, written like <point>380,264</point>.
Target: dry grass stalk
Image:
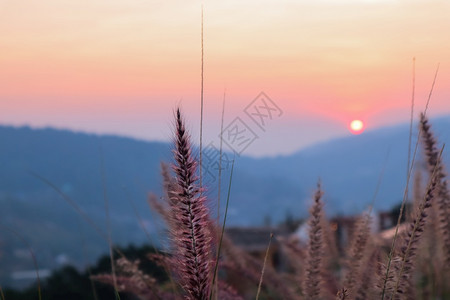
<point>132,280</point>
<point>403,284</point>
<point>190,231</point>
<point>164,208</point>
<point>312,277</point>
<point>386,279</point>
<point>442,195</point>
<point>356,252</point>
<point>329,238</point>
<point>365,287</point>
<point>201,107</point>
<point>263,268</point>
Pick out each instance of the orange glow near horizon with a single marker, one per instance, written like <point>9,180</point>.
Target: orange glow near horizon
<point>325,59</point>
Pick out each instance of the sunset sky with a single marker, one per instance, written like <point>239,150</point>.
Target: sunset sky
<point>120,66</point>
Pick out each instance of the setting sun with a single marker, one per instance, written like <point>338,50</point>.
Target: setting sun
<point>356,126</point>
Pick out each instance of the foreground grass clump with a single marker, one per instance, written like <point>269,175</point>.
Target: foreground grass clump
<point>368,266</point>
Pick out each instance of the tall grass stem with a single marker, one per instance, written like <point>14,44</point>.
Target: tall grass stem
<point>264,267</point>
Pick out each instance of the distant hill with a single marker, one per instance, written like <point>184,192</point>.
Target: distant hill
<point>350,167</point>
<point>73,163</point>
<point>262,189</point>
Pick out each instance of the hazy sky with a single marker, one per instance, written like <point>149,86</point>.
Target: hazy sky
<point>118,66</point>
